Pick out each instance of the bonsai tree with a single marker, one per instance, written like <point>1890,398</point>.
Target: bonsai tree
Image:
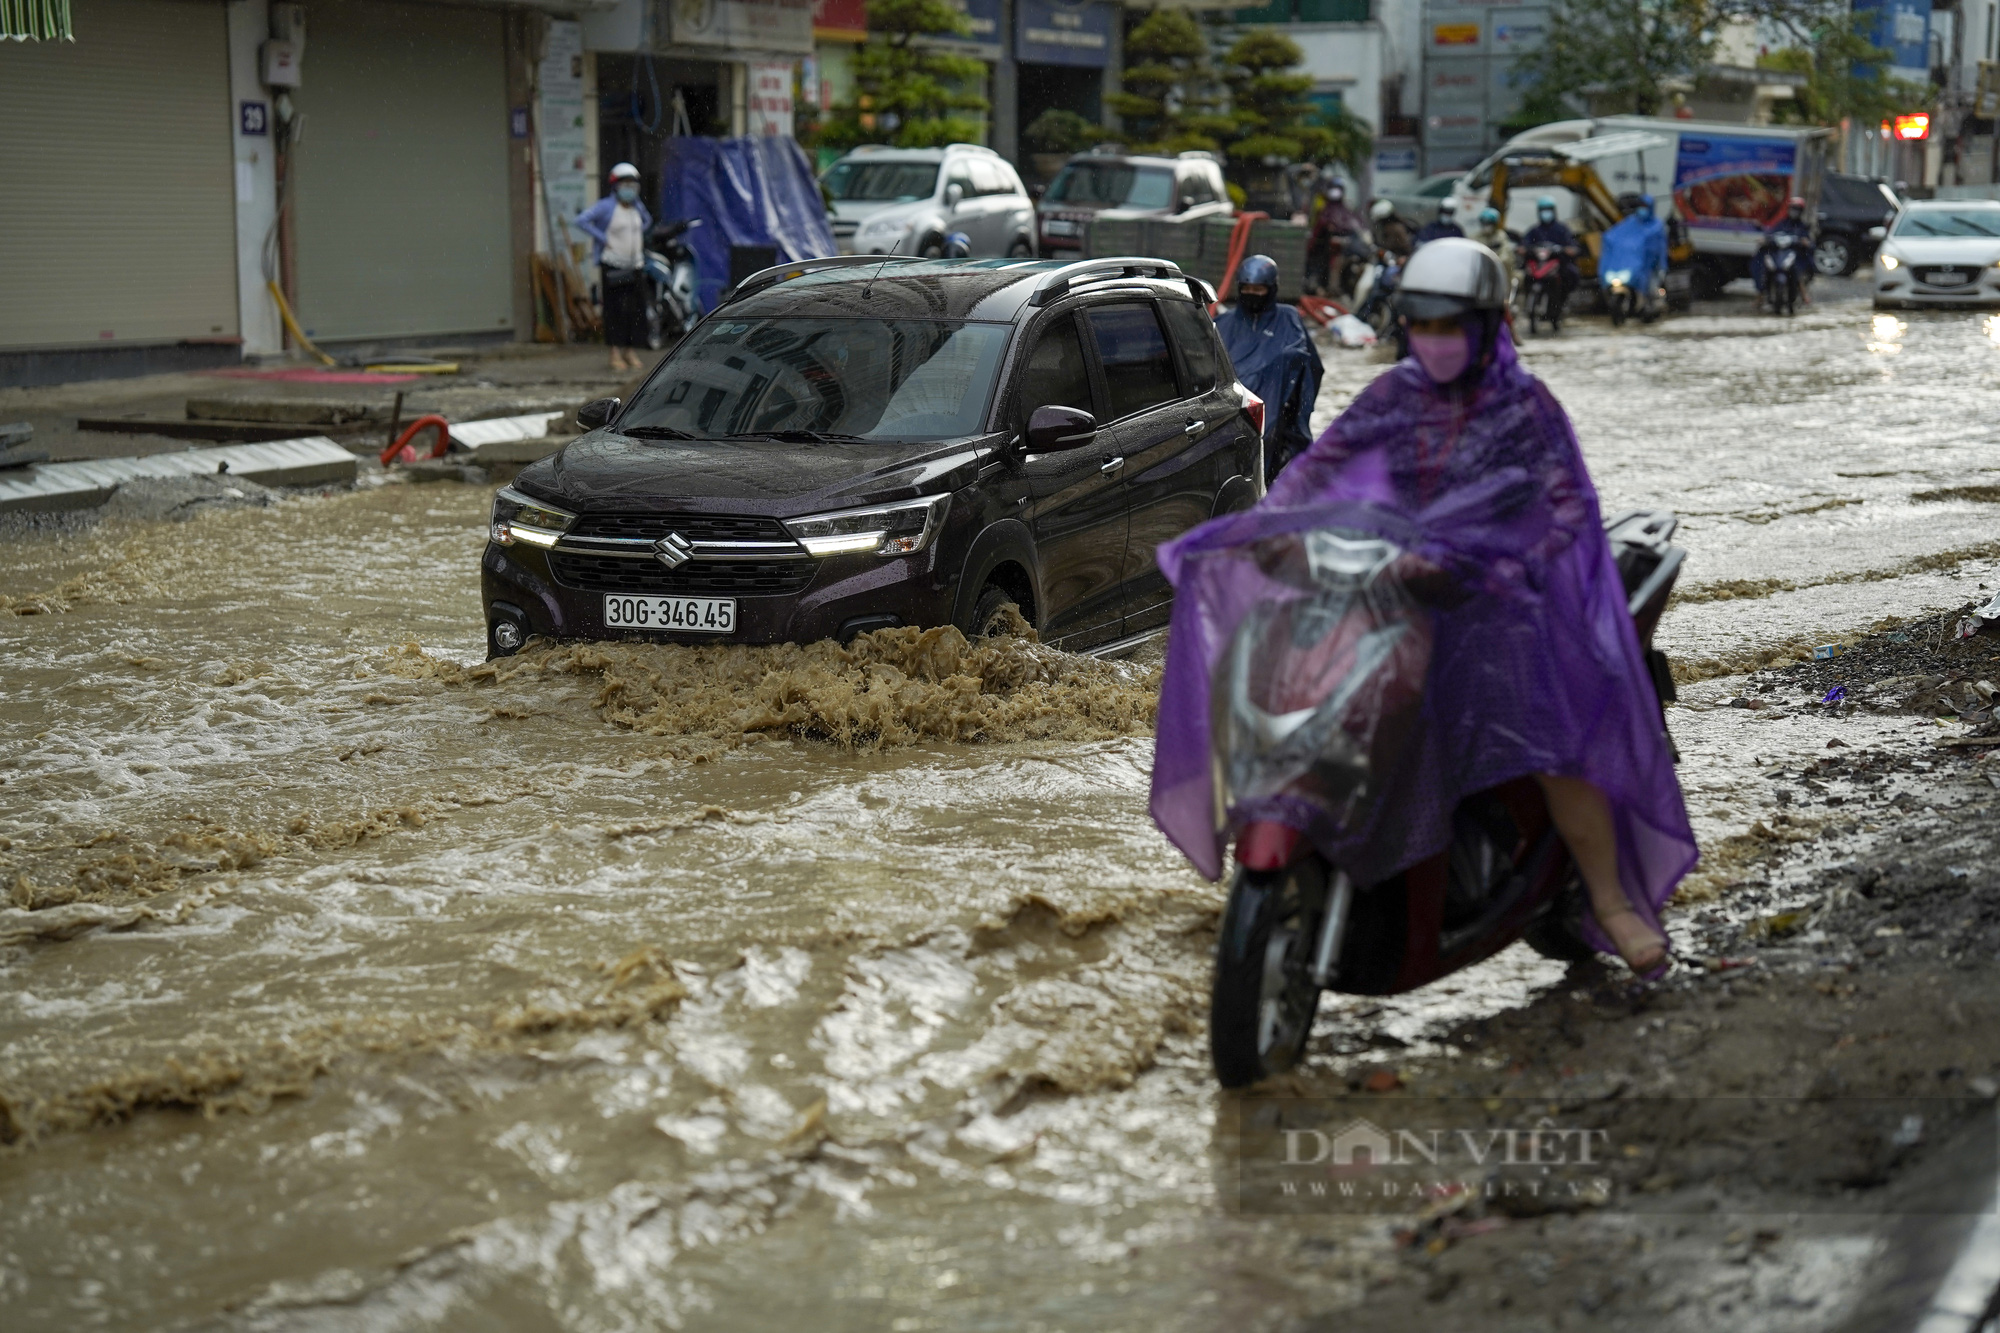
<point>906,92</point>
<point>1057,131</point>
<point>1170,99</point>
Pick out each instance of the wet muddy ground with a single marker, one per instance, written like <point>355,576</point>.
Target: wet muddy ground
<point>353,983</point>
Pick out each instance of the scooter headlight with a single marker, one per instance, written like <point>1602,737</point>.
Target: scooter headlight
<point>521,518</point>
<point>903,528</point>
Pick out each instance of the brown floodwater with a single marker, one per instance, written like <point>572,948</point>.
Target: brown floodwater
<point>350,982</point>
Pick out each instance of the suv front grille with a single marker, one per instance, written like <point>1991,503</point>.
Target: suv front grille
<point>1948,275</point>
<point>732,578</point>
<point>694,527</point>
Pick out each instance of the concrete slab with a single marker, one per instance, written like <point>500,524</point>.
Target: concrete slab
<point>47,487</point>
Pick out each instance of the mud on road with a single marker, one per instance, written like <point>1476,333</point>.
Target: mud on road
<point>351,982</point>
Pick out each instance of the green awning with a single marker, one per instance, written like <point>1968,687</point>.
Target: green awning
<point>35,20</point>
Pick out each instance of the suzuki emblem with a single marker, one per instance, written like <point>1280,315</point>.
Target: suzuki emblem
<point>673,550</point>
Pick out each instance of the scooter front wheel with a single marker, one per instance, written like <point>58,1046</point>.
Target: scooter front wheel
<point>1261,1010</point>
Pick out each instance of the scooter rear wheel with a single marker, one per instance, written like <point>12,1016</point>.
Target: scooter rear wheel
<point>1261,1010</point>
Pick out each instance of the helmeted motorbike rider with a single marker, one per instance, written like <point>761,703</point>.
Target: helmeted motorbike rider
<point>1443,225</point>
<point>1637,244</point>
<point>1551,232</point>
<point>1794,223</point>
<point>1275,358</point>
<point>1331,229</point>
<point>1462,458</point>
<point>1495,237</point>
<point>1390,232</point>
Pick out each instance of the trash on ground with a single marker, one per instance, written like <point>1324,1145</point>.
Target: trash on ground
<point>1352,331</point>
<point>1836,695</point>
<point>1824,651</point>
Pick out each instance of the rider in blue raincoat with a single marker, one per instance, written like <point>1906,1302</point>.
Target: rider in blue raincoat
<point>1637,245</point>
<point>1275,358</point>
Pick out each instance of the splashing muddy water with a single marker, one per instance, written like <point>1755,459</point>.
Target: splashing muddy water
<point>352,982</point>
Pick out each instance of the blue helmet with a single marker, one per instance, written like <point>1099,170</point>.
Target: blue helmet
<point>1259,269</point>
<point>1489,216</point>
<point>957,246</point>
<point>1646,204</point>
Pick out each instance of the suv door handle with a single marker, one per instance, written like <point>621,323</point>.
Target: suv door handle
<point>1194,428</point>
<point>1112,464</point>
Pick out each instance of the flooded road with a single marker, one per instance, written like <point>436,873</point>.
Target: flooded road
<point>352,983</point>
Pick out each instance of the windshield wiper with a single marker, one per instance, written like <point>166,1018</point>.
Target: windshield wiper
<point>658,433</point>
<point>799,436</point>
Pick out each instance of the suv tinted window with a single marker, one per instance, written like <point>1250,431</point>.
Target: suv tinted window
<point>881,181</point>
<point>1010,183</point>
<point>1138,371</point>
<point>959,176</point>
<point>1056,374</point>
<point>1114,183</point>
<point>1195,336</point>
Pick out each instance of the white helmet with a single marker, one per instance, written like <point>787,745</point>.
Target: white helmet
<point>1381,210</point>
<point>1451,276</point>
<point>624,171</point>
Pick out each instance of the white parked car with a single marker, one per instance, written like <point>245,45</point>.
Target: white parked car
<point>1940,252</point>
<point>906,201</point>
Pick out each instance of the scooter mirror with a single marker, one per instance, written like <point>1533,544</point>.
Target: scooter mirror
<point>1053,430</point>
<point>596,412</point>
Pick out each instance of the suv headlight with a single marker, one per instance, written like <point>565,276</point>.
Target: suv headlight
<point>881,226</point>
<point>902,528</point>
<point>518,518</point>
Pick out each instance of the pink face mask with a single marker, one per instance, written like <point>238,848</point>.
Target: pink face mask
<point>1444,356</point>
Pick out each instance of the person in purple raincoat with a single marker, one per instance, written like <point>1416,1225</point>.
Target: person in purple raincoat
<point>1462,457</point>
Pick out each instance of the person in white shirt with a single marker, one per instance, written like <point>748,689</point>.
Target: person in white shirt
<point>617,225</point>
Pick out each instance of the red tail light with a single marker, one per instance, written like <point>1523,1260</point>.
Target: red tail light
<point>1268,846</point>
<point>1253,407</point>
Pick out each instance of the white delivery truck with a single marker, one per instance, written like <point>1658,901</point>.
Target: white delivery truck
<point>1724,183</point>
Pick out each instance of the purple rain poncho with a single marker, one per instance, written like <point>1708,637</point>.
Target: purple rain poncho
<point>1538,671</point>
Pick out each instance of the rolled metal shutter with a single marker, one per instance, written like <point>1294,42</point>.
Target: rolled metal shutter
<point>400,201</point>
<point>117,198</point>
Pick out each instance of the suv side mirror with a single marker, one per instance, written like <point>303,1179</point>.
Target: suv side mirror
<point>1187,202</point>
<point>596,412</point>
<point>1878,233</point>
<point>1054,430</point>
<point>952,194</point>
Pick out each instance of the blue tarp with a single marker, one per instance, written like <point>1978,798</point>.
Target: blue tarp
<point>757,190</point>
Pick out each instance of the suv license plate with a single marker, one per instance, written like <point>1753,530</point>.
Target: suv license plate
<point>700,615</point>
<point>1948,278</point>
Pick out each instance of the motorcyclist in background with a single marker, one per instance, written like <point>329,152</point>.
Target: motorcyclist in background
<point>1548,231</point>
<point>1275,358</point>
<point>1390,232</point>
<point>1335,223</point>
<point>1795,224</point>
<point>1638,244</point>
<point>1496,237</point>
<point>1443,225</point>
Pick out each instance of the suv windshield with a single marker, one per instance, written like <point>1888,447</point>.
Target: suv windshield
<point>881,182</point>
<point>1950,222</point>
<point>877,379</point>
<point>1113,183</point>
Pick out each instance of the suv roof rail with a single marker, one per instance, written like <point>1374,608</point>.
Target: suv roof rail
<point>1060,282</point>
<point>1198,155</point>
<point>975,147</point>
<point>771,277</point>
<point>1113,149</point>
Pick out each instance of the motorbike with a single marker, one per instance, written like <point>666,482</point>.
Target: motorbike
<point>671,305</point>
<point>1621,297</point>
<point>1310,707</point>
<point>1374,293</point>
<point>1543,292</point>
<point>1784,270</point>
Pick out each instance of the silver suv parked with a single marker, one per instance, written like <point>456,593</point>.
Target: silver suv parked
<point>905,201</point>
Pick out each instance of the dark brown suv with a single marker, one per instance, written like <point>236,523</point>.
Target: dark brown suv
<point>1188,187</point>
<point>849,444</point>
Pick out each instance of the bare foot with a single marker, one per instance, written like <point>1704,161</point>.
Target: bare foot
<point>1643,948</point>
